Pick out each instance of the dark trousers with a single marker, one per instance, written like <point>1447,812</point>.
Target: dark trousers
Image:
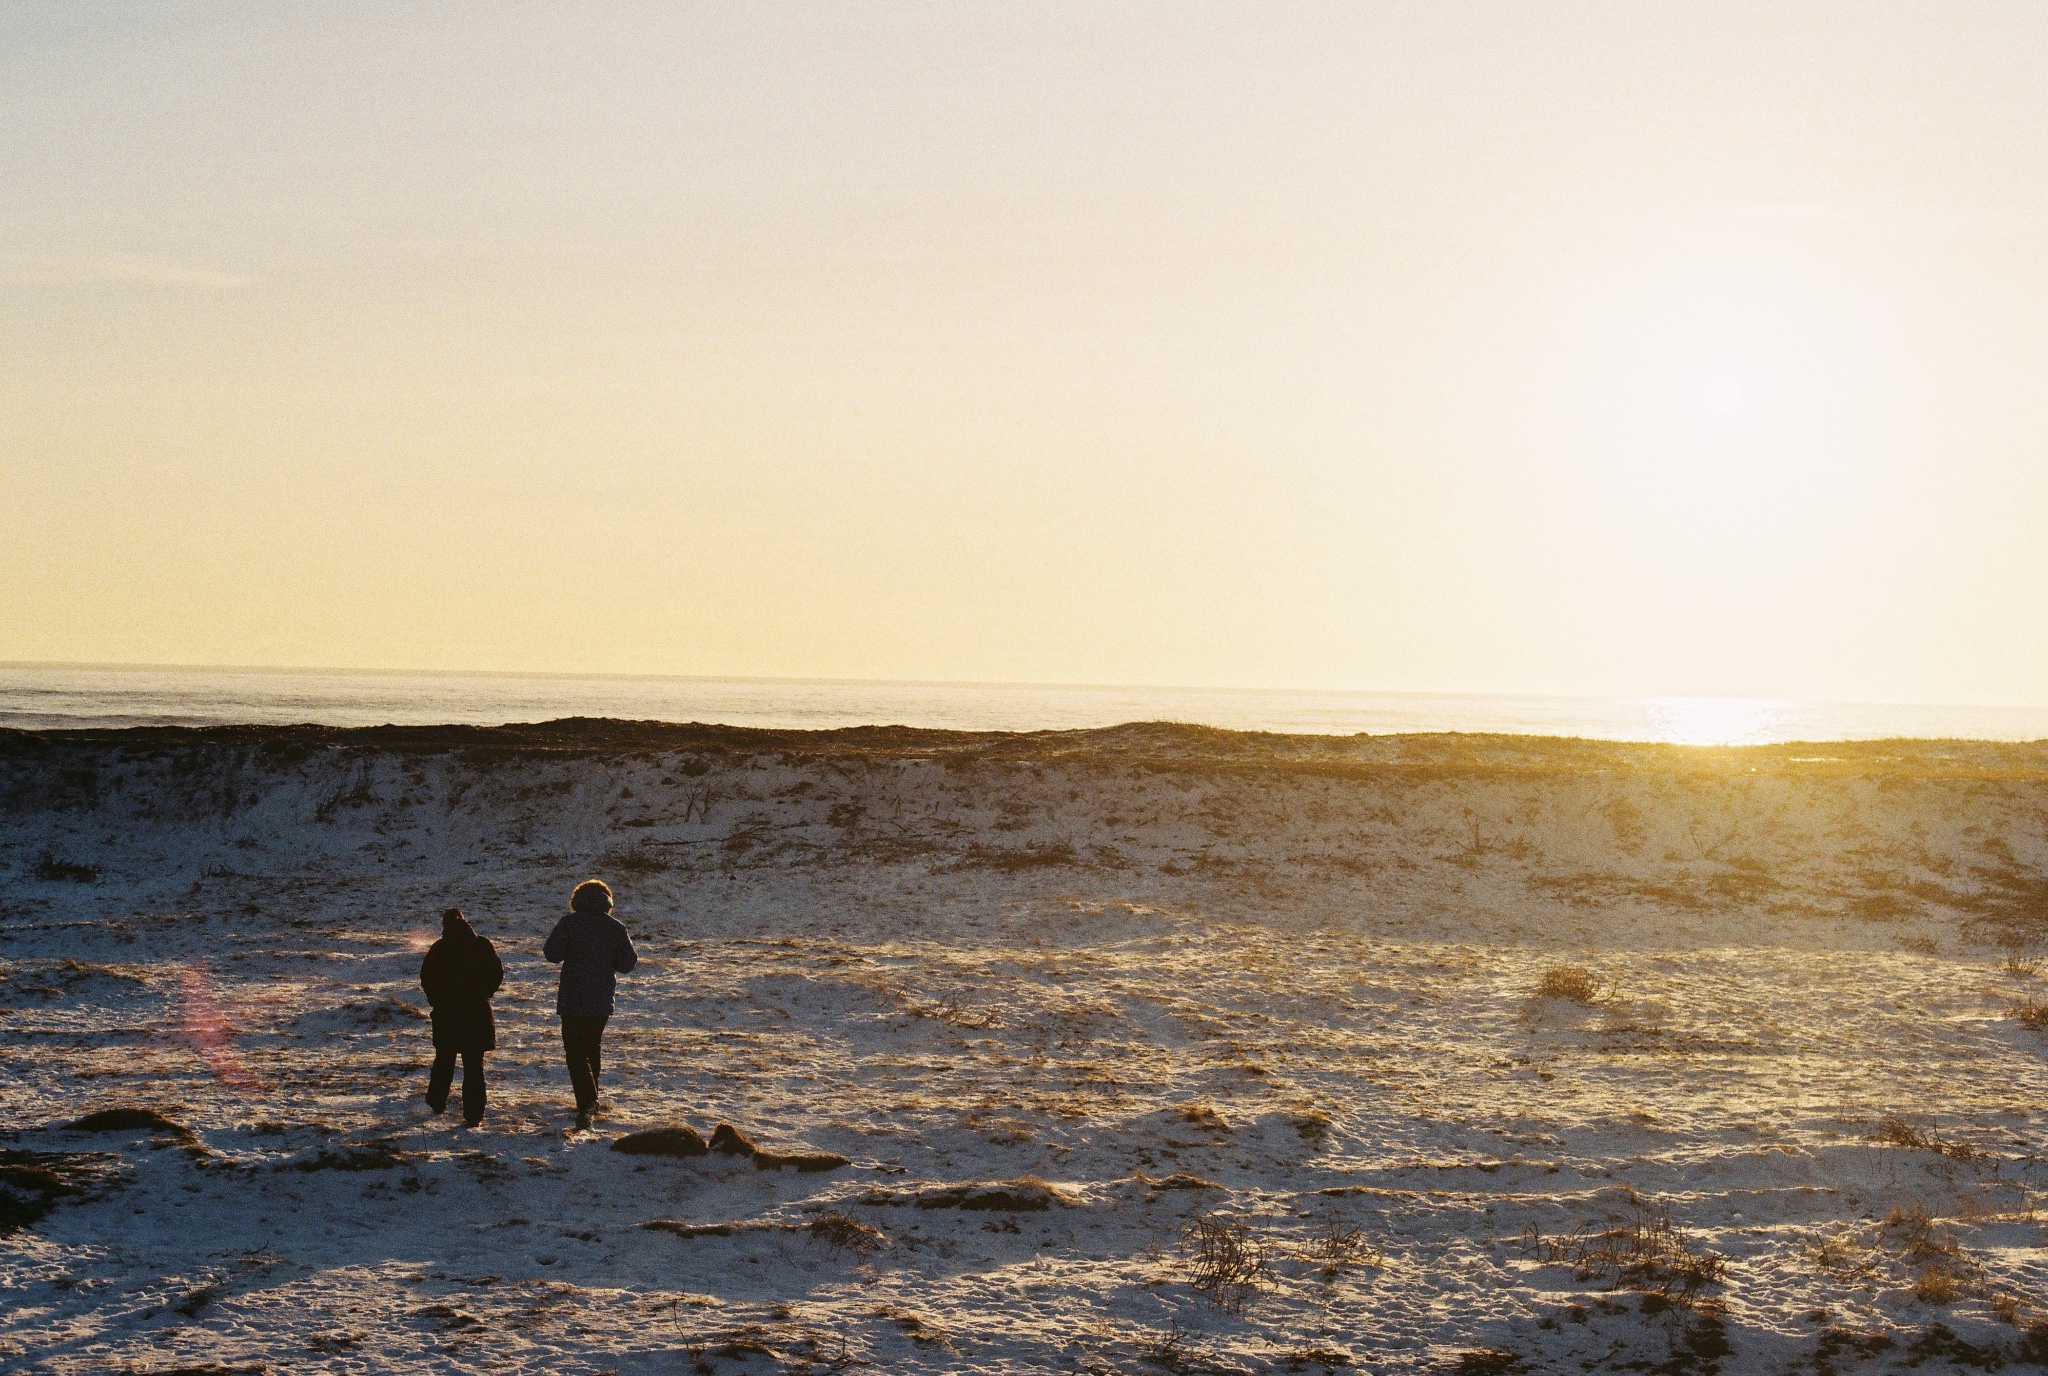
<point>583,1043</point>
<point>443,1075</point>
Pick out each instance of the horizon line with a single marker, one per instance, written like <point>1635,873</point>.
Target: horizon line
<point>626,676</point>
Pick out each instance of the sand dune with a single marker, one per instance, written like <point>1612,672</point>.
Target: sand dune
<point>1254,1019</point>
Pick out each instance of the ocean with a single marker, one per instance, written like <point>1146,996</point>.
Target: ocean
<point>46,697</point>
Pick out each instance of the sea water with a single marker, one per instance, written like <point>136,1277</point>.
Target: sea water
<point>43,697</point>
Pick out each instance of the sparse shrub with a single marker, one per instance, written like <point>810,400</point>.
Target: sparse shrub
<point>1337,1250</point>
<point>1919,946</point>
<point>1173,1351</point>
<point>1574,983</point>
<point>2032,1014</point>
<point>1226,1261</point>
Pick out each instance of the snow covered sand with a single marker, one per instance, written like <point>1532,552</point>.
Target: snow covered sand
<point>1154,1048</point>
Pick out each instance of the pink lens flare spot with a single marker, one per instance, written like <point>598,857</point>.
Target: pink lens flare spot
<point>210,1032</point>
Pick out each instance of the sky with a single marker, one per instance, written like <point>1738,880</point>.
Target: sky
<point>1619,348</point>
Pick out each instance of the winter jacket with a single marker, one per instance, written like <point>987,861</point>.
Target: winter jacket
<point>591,948</point>
<point>460,974</point>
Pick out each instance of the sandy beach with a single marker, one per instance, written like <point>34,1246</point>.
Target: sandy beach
<point>1151,1048</point>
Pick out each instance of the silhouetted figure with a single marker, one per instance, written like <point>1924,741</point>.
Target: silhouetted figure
<point>460,973</point>
<point>593,949</point>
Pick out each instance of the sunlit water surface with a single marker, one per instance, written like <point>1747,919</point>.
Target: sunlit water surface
<point>44,697</point>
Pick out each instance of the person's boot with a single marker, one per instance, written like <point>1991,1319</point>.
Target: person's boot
<point>582,1118</point>
<point>437,1105</point>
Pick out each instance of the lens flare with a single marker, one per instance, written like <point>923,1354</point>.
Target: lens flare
<point>211,1033</point>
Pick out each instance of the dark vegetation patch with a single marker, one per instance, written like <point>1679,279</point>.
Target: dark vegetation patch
<point>1179,1180</point>
<point>448,1317</point>
<point>55,869</point>
<point>362,1015</point>
<point>846,1234</point>
<point>1011,859</point>
<point>61,978</point>
<point>682,1141</point>
<point>1487,1361</point>
<point>374,1155</point>
<point>34,1182</point>
<point>728,1140</point>
<point>837,1231</point>
<point>1025,1194</point>
<point>133,1119</point>
<point>127,1119</point>
<point>677,1228</point>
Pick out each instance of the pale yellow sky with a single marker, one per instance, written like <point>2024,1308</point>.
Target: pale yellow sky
<point>1615,348</point>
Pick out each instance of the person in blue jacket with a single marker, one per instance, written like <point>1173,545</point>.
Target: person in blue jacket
<point>593,949</point>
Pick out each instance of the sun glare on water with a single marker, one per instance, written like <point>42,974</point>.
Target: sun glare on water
<point>1717,721</point>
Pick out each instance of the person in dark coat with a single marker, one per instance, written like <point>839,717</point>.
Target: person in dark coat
<point>460,973</point>
<point>593,949</point>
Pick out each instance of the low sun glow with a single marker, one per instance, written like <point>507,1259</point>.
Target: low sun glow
<point>1718,403</point>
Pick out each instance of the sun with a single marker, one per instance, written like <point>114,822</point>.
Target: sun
<point>1714,401</point>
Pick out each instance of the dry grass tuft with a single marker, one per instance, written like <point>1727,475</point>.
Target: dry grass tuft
<point>2022,958</point>
<point>1894,1131</point>
<point>1574,983</point>
<point>1944,1272</point>
<point>952,1009</point>
<point>1313,1126</point>
<point>845,1234</point>
<point>1938,1283</point>
<point>1226,1261</point>
<point>1648,1253</point>
<point>2031,1013</point>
